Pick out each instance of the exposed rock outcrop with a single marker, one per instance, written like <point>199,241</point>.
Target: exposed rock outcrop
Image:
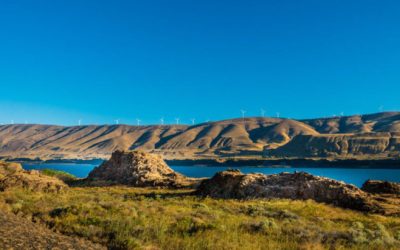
<point>381,187</point>
<point>234,184</point>
<point>12,175</point>
<point>139,169</point>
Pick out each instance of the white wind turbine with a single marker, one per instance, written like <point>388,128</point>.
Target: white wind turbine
<point>162,120</point>
<point>262,112</point>
<point>177,121</point>
<point>243,112</point>
<point>193,121</point>
<point>278,114</point>
<point>116,121</point>
<point>138,122</point>
<point>79,122</point>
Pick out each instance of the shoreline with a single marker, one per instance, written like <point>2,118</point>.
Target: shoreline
<point>221,162</point>
<point>309,163</point>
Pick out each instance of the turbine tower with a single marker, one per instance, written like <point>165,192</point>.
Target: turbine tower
<point>79,122</point>
<point>243,112</point>
<point>278,114</point>
<point>138,122</point>
<point>262,112</point>
<point>116,121</point>
<point>177,121</point>
<point>162,120</point>
<point>193,120</point>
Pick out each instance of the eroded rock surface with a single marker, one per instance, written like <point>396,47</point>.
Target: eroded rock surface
<point>139,169</point>
<point>381,187</point>
<point>234,184</point>
<point>13,175</point>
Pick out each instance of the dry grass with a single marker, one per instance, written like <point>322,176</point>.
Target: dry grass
<point>133,218</point>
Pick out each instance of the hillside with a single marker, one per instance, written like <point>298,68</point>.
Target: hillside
<point>351,136</point>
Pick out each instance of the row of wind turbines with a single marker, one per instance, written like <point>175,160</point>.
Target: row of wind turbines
<point>193,120</point>
<point>178,120</point>
<point>138,121</point>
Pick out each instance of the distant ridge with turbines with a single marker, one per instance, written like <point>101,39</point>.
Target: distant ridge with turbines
<point>358,136</point>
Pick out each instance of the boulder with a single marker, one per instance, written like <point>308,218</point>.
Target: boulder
<point>234,184</point>
<point>13,175</point>
<point>381,187</point>
<point>139,169</point>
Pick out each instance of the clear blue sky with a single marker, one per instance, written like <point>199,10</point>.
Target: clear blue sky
<point>98,61</point>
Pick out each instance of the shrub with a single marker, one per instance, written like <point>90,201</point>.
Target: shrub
<point>357,233</point>
<point>254,210</point>
<point>263,226</point>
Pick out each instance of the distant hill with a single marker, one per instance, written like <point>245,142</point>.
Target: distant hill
<point>351,136</point>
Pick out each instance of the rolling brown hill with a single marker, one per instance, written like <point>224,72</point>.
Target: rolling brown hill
<point>351,136</point>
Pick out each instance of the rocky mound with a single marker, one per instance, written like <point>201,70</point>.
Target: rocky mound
<point>234,184</point>
<point>139,169</point>
<point>381,187</point>
<point>12,175</point>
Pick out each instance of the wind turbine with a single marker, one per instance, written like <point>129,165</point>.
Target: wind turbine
<point>138,122</point>
<point>116,121</point>
<point>177,121</point>
<point>193,120</point>
<point>243,112</point>
<point>277,114</point>
<point>342,113</point>
<point>162,120</point>
<point>262,113</point>
<point>12,121</point>
<point>79,122</point>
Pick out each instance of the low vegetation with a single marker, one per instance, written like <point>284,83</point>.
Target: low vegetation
<point>64,176</point>
<point>137,218</point>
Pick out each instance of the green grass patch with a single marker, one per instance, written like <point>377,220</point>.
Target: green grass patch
<point>64,176</point>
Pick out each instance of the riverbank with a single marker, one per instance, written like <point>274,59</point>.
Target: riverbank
<point>254,162</point>
<point>345,163</point>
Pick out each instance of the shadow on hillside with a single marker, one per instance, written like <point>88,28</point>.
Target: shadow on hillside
<point>149,191</point>
<point>160,195</point>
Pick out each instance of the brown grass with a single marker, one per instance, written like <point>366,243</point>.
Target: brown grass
<point>133,218</point>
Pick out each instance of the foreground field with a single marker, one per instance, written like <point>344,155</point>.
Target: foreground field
<point>133,218</point>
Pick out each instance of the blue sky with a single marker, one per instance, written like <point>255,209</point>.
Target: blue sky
<point>98,61</point>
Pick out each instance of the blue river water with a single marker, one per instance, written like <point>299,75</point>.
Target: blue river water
<point>356,176</point>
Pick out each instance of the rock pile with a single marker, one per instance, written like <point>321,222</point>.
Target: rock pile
<point>381,187</point>
<point>234,184</point>
<point>139,169</point>
<point>12,175</point>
